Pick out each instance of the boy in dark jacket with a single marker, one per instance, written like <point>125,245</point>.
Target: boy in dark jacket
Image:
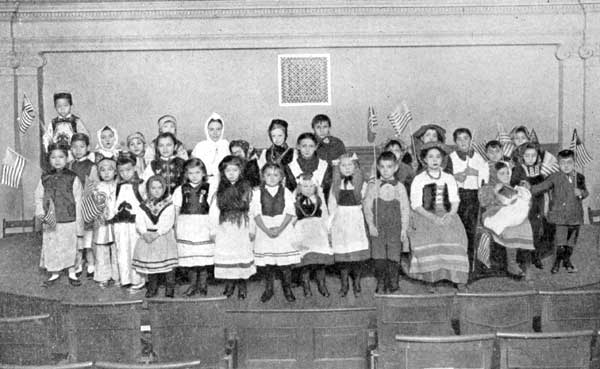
<point>568,189</point>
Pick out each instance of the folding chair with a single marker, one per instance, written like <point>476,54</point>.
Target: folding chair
<point>25,340</point>
<point>103,330</point>
<point>492,312</point>
<point>184,329</point>
<point>545,350</point>
<point>420,352</point>
<point>570,310</point>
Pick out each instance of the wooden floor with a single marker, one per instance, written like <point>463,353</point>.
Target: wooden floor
<point>20,273</point>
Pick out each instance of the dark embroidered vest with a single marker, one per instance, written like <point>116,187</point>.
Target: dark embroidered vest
<point>306,208</point>
<point>71,120</point>
<point>82,168</point>
<point>171,170</point>
<point>429,194</point>
<point>195,199</point>
<point>58,186</point>
<point>347,198</point>
<point>272,205</point>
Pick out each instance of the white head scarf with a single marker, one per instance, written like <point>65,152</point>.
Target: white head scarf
<point>209,151</point>
<point>108,152</point>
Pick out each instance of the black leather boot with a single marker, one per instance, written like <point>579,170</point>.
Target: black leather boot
<point>306,282</point>
<point>322,282</point>
<point>202,286</point>
<point>535,259</point>
<point>229,288</point>
<point>268,293</point>
<point>344,281</point>
<point>356,276</point>
<point>557,260</point>
<point>170,285</point>
<point>242,289</point>
<point>152,286</point>
<point>567,260</point>
<point>286,283</point>
<point>393,269</point>
<point>193,288</point>
<point>380,274</point>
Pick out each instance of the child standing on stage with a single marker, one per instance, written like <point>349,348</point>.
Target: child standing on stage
<point>166,123</point>
<point>308,163</point>
<point>130,194</point>
<point>167,164</point>
<point>312,227</point>
<point>234,257</point>
<point>195,249</point>
<point>470,171</point>
<point>274,247</point>
<point>107,270</point>
<point>348,235</point>
<point>242,149</point>
<point>387,211</point>
<point>528,171</point>
<point>566,212</point>
<point>279,152</point>
<point>136,144</point>
<point>494,153</point>
<point>85,168</point>
<point>59,192</point>
<point>329,148</point>
<point>438,241</point>
<point>65,124</point>
<point>405,172</point>
<point>108,144</point>
<point>156,250</point>
<point>212,150</point>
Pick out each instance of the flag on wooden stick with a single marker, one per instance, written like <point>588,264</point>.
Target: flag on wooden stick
<point>12,168</point>
<point>372,124</point>
<point>507,144</point>
<point>27,115</point>
<point>50,217</point>
<point>533,137</point>
<point>483,249</point>
<point>549,165</point>
<point>92,206</point>
<point>400,118</point>
<point>479,148</point>
<point>582,156</point>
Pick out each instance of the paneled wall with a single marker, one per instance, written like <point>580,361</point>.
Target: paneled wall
<point>457,63</point>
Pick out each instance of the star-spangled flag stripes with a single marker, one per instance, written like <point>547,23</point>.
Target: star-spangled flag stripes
<point>582,156</point>
<point>479,148</point>
<point>50,217</point>
<point>483,249</point>
<point>507,144</point>
<point>549,165</point>
<point>12,168</point>
<point>400,118</point>
<point>90,208</point>
<point>372,124</point>
<point>27,115</point>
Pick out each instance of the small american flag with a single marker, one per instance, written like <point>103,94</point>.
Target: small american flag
<point>507,144</point>
<point>483,249</point>
<point>50,217</point>
<point>549,165</point>
<point>27,115</point>
<point>400,118</point>
<point>372,124</point>
<point>582,157</point>
<point>480,149</point>
<point>12,168</point>
<point>91,208</point>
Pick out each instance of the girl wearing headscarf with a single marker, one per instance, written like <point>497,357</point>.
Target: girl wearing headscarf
<point>431,133</point>
<point>279,152</point>
<point>214,149</point>
<point>108,143</point>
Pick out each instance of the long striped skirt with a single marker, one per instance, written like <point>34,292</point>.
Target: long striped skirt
<point>438,252</point>
<point>159,256</point>
<point>234,256</point>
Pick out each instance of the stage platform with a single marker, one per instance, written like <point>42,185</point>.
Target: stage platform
<point>20,274</point>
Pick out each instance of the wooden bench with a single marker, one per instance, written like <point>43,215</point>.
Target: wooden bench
<point>418,352</point>
<point>570,310</point>
<point>103,330</point>
<point>493,312</point>
<point>172,365</point>
<point>546,350</point>
<point>184,329</point>
<point>84,365</point>
<point>303,338</point>
<point>25,340</point>
<point>21,224</point>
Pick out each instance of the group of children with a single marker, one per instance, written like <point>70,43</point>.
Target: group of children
<point>131,215</point>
